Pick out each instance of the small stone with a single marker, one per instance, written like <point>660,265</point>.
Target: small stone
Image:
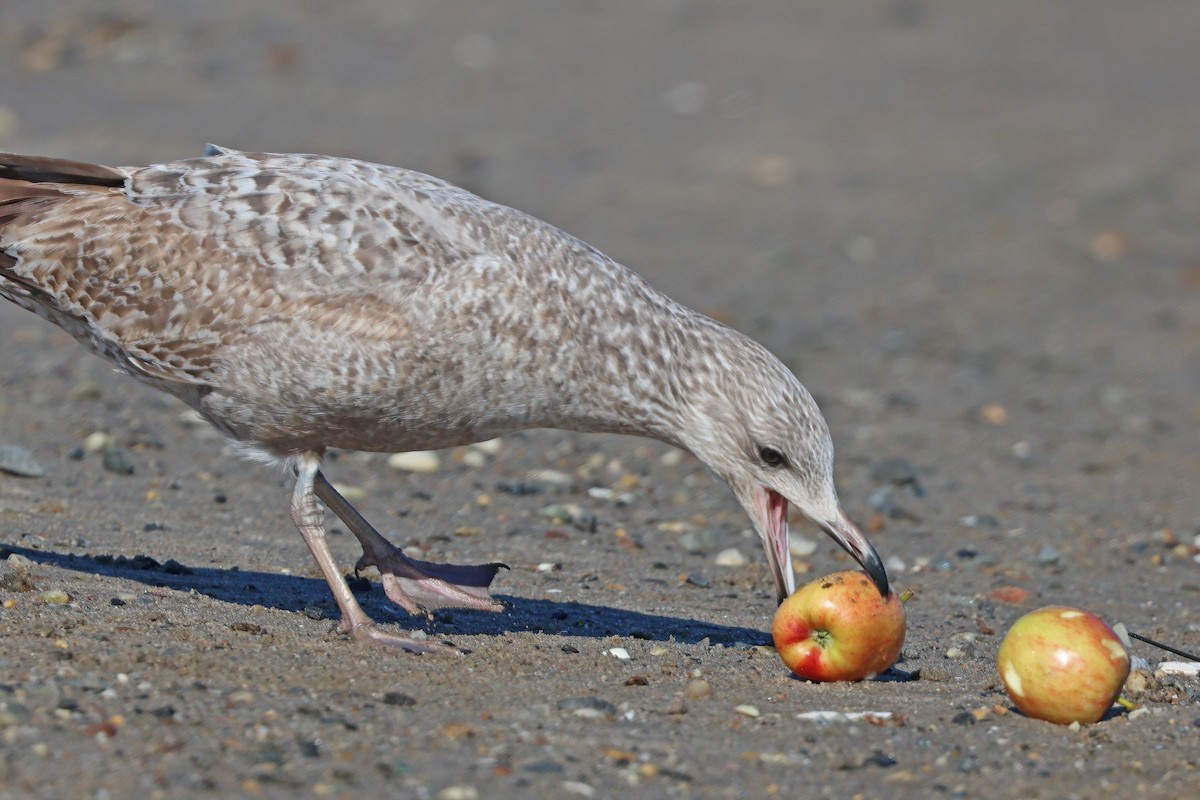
<point>18,561</point>
<point>55,597</point>
<point>116,462</point>
<point>578,788</point>
<point>698,689</point>
<point>98,441</point>
<point>489,447</point>
<point>415,461</point>
<point>459,793</point>
<point>897,472</point>
<point>597,707</point>
<point>619,653</point>
<point>801,546</point>
<point>399,699</point>
<point>696,579</point>
<point>955,652</point>
<point>993,414</point>
<point>474,459</point>
<point>1049,556</point>
<point>964,718</point>
<point>16,460</point>
<point>746,710</point>
<point>730,557</point>
<point>550,479</point>
<point>700,541</point>
<point>350,491</point>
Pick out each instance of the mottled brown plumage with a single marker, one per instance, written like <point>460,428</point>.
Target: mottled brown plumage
<point>303,302</point>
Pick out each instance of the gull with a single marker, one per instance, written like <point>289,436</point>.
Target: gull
<point>304,302</point>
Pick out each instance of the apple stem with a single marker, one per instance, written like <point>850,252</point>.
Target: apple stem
<point>1126,703</point>
<point>1166,647</point>
<point>906,595</point>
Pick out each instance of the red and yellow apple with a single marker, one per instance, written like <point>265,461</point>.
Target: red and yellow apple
<point>839,628</point>
<point>1063,665</point>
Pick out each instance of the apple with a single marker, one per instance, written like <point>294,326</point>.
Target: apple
<point>839,628</point>
<point>1063,665</point>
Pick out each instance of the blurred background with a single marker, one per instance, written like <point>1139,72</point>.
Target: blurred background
<point>970,227</point>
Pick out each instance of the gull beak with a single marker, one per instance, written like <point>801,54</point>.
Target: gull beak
<point>847,534</point>
<point>770,512</point>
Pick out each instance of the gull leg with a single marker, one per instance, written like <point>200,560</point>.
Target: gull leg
<point>310,520</point>
<point>411,584</point>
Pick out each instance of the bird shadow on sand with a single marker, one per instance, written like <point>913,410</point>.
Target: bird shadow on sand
<point>311,597</point>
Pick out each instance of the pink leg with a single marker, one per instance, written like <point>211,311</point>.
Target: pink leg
<point>413,585</point>
<point>309,518</point>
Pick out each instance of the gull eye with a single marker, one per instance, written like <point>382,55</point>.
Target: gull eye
<point>772,457</point>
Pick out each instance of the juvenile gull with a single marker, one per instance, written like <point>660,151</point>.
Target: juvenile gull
<point>303,302</point>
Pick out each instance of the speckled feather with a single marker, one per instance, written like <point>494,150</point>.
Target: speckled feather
<point>301,302</point>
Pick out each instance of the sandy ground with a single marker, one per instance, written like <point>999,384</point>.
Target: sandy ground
<point>971,229</point>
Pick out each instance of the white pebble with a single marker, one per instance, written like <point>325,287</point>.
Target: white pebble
<point>896,564</point>
<point>579,788</point>
<point>801,546</point>
<point>730,557</point>
<point>98,441</point>
<point>489,447</point>
<point>458,793</point>
<point>746,710</point>
<point>474,459</point>
<point>415,461</point>
<point>619,653</point>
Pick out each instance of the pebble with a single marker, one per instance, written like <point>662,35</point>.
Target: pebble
<point>489,447</point>
<point>116,462</point>
<point>98,441</point>
<point>619,653</point>
<point>474,459</point>
<point>550,479</point>
<point>459,793</point>
<point>699,541</point>
<point>955,652</point>
<point>399,699</point>
<point>801,546</point>
<point>747,710</point>
<point>698,689</point>
<point>731,557</point>
<point>578,787</point>
<point>415,461</point>
<point>18,561</point>
<point>1049,556</point>
<point>994,414</point>
<point>55,597</point>
<point>16,460</point>
<point>591,707</point>
<point>897,472</point>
